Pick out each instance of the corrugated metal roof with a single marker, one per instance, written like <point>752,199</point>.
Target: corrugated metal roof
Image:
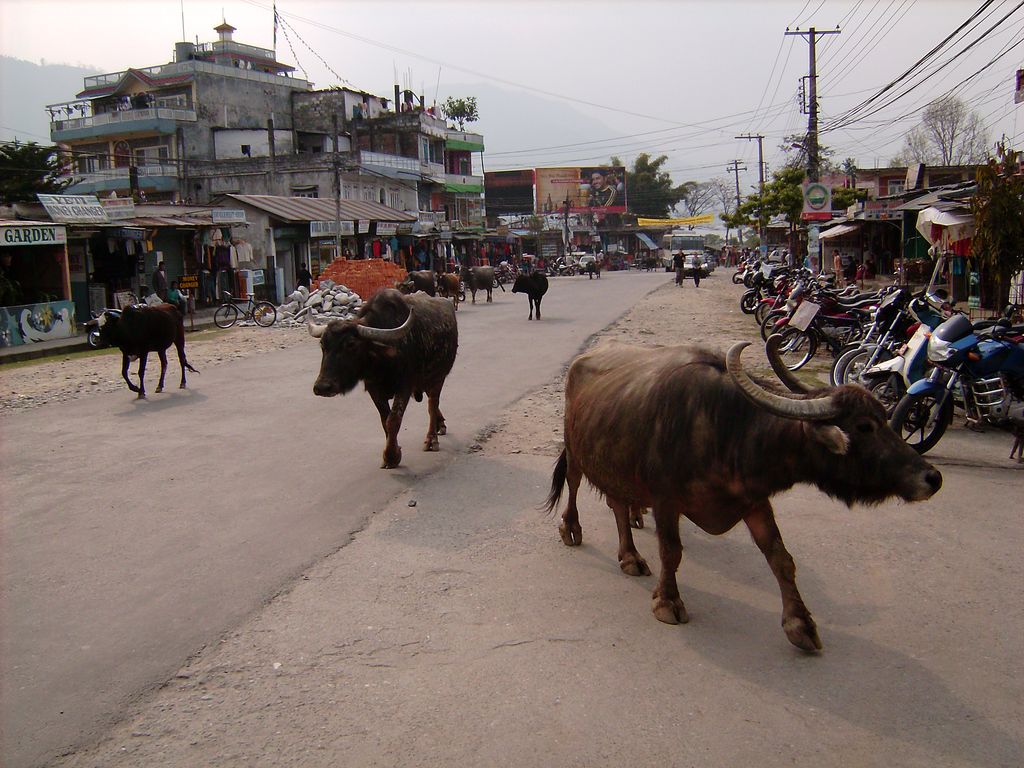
<point>298,209</point>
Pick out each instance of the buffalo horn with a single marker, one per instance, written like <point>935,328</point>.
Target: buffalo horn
<point>316,330</point>
<point>819,409</point>
<point>386,335</point>
<point>771,349</point>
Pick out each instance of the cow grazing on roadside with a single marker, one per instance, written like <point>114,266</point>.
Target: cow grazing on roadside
<point>686,432</point>
<point>399,347</point>
<point>448,286</point>
<point>420,280</point>
<point>139,330</point>
<point>534,285</point>
<point>478,279</point>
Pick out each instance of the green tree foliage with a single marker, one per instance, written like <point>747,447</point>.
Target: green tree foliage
<point>460,111</point>
<point>649,189</point>
<point>998,208</point>
<point>26,169</point>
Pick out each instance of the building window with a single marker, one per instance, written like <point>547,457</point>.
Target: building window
<point>897,186</point>
<point>247,150</point>
<point>305,192</point>
<point>395,199</point>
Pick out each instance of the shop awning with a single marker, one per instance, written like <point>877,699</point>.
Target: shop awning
<point>643,238</point>
<point>304,209</point>
<point>946,226</point>
<point>842,229</point>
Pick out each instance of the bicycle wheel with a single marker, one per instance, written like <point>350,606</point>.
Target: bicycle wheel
<point>264,314</point>
<point>920,422</point>
<point>225,316</point>
<point>797,348</point>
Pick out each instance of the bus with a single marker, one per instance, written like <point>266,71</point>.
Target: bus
<point>680,241</point>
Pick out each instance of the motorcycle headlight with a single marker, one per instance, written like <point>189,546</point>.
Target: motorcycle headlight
<point>939,351</point>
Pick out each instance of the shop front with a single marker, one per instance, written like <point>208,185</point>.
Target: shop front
<point>35,283</point>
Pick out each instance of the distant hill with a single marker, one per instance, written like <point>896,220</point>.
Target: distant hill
<point>27,88</point>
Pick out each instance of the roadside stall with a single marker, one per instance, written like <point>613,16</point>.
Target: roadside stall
<point>35,283</point>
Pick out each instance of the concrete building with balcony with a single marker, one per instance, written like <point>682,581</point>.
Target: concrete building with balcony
<point>140,129</point>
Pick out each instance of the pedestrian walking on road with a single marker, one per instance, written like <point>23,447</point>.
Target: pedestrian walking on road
<point>678,263</point>
<point>696,271</point>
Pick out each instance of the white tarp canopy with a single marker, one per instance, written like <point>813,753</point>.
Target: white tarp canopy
<point>842,229</point>
<point>944,226</point>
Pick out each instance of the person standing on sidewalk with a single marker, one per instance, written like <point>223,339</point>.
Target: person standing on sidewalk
<point>160,282</point>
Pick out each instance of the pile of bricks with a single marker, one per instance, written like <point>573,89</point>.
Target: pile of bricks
<point>363,276</point>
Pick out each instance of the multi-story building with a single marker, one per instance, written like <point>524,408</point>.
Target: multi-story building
<point>228,118</point>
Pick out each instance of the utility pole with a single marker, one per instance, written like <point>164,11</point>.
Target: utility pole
<point>336,163</point>
<point>734,166</point>
<point>761,223</point>
<point>813,171</point>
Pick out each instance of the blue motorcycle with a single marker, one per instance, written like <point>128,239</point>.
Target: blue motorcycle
<point>982,367</point>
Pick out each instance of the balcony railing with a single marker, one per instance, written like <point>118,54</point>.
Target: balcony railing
<point>109,174</point>
<point>123,116</point>
<point>389,161</point>
<point>187,67</point>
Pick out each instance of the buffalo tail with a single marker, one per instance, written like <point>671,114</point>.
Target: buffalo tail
<point>557,482</point>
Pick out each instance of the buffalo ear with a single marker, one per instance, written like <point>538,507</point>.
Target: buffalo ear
<point>832,438</point>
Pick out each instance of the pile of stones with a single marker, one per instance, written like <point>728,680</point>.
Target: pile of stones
<point>329,301</point>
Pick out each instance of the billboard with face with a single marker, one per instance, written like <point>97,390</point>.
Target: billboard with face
<point>590,189</point>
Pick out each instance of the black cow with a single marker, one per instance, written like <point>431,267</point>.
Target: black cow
<point>399,347</point>
<point>140,330</point>
<point>478,279</point>
<point>534,285</point>
<point>420,280</point>
<point>685,431</point>
<point>448,287</point>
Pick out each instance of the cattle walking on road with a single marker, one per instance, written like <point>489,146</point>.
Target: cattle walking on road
<point>534,285</point>
<point>399,347</point>
<point>419,280</point>
<point>139,330</point>
<point>686,432</point>
<point>478,279</point>
<point>448,286</point>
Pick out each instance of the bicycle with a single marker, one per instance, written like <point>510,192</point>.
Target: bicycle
<point>263,313</point>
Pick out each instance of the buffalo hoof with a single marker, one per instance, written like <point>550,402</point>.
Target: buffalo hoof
<point>140,396</point>
<point>802,632</point>
<point>634,565</point>
<point>182,386</point>
<point>159,389</point>
<point>669,611</point>
<point>392,461</point>
<point>572,536</point>
<point>442,429</point>
<point>431,444</point>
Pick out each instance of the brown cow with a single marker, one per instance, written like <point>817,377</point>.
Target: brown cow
<point>686,432</point>
<point>448,286</point>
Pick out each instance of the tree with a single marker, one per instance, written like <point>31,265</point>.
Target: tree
<point>28,169</point>
<point>698,197</point>
<point>460,111</point>
<point>649,191</point>
<point>794,147</point>
<point>948,134</point>
<point>998,208</point>
<point>783,196</point>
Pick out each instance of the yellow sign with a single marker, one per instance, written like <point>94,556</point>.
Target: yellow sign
<point>689,221</point>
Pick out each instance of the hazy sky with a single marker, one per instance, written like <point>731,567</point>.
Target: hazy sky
<point>680,78</point>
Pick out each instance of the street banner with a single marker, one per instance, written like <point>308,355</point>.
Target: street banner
<point>689,221</point>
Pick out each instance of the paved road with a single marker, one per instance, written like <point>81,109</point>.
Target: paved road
<point>136,533</point>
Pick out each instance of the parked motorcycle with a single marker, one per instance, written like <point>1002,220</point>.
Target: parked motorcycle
<point>985,368</point>
<point>92,328</point>
<point>562,267</point>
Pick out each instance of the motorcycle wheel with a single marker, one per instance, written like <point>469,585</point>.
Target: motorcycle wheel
<point>837,374</point>
<point>888,390</point>
<point>856,363</point>
<point>93,339</point>
<point>763,308</point>
<point>920,422</point>
<point>768,324</point>
<point>749,302</point>
<point>737,277</point>
<point>797,348</point>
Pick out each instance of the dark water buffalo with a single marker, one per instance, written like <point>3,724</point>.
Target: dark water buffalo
<point>448,286</point>
<point>420,280</point>
<point>399,347</point>
<point>534,285</point>
<point>686,432</point>
<point>478,279</point>
<point>140,330</point>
